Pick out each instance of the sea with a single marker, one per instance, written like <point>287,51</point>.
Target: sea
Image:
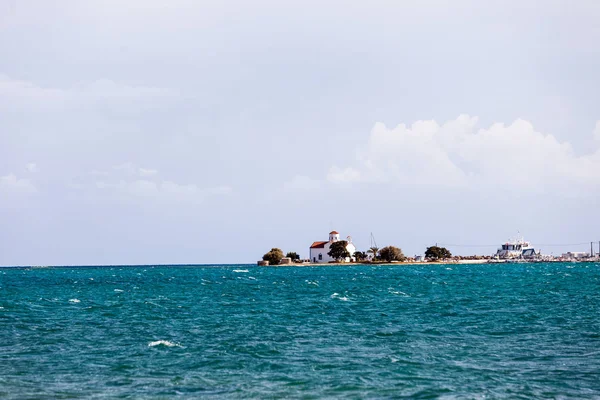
<point>518,331</point>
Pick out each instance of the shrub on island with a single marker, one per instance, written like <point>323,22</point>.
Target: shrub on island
<point>436,253</point>
<point>274,256</point>
<point>338,250</point>
<point>391,253</point>
<point>360,256</point>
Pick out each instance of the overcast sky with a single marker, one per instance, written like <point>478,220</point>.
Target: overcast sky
<point>181,131</point>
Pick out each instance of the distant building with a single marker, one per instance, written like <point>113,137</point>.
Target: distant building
<point>318,250</point>
<point>575,255</point>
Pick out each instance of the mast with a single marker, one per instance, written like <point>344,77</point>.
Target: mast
<point>373,242</point>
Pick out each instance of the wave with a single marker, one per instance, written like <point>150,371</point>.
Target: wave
<point>74,301</point>
<point>240,270</point>
<point>163,343</point>
<point>397,292</point>
<point>339,297</point>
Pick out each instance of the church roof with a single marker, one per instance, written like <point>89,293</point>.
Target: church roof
<point>318,245</point>
<point>334,233</point>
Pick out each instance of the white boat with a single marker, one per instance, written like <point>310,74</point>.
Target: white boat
<point>516,248</point>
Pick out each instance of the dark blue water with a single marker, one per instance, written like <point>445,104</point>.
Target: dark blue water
<point>444,331</point>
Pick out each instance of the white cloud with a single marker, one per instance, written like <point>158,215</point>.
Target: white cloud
<point>147,172</point>
<point>17,93</point>
<point>99,173</point>
<point>162,190</point>
<point>143,188</point>
<point>130,169</point>
<point>301,183</point>
<point>13,184</point>
<point>31,167</point>
<point>109,88</point>
<point>458,154</point>
<point>105,92</point>
<point>131,181</point>
<point>345,175</point>
<point>219,190</point>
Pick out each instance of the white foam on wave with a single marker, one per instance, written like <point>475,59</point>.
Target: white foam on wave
<point>339,297</point>
<point>163,343</point>
<point>399,293</point>
<point>74,301</point>
<point>316,283</point>
<point>252,278</point>
<point>240,270</point>
<point>119,290</point>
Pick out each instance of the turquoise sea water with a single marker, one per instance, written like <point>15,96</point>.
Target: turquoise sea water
<point>443,331</point>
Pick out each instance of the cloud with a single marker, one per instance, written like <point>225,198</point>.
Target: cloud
<point>11,183</point>
<point>301,183</point>
<point>129,169</point>
<point>31,167</point>
<point>345,175</point>
<point>21,94</point>
<point>16,93</point>
<point>147,172</point>
<point>597,131</point>
<point>457,154</point>
<point>161,190</point>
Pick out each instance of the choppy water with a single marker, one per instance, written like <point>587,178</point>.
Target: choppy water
<point>449,331</point>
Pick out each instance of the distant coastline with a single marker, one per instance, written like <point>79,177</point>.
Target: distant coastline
<point>307,264</point>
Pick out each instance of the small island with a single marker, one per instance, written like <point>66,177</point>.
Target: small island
<point>343,252</point>
<point>336,251</point>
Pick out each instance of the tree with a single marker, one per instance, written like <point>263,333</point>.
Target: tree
<point>293,255</point>
<point>274,256</point>
<point>360,256</point>
<point>391,253</point>
<point>338,250</point>
<point>437,253</point>
<point>373,250</point>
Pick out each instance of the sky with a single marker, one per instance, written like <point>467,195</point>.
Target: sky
<point>180,131</point>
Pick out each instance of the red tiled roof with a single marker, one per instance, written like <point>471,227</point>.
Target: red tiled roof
<point>334,233</point>
<point>318,245</point>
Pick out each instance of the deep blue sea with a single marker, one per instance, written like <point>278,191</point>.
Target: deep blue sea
<point>422,331</point>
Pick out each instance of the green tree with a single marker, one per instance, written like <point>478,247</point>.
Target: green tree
<point>274,256</point>
<point>338,250</point>
<point>437,253</point>
<point>374,251</point>
<point>293,255</point>
<point>391,253</point>
<point>360,256</point>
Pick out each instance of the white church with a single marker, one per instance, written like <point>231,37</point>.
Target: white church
<point>319,250</point>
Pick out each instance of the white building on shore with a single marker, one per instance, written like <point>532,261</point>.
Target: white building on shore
<point>318,250</point>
